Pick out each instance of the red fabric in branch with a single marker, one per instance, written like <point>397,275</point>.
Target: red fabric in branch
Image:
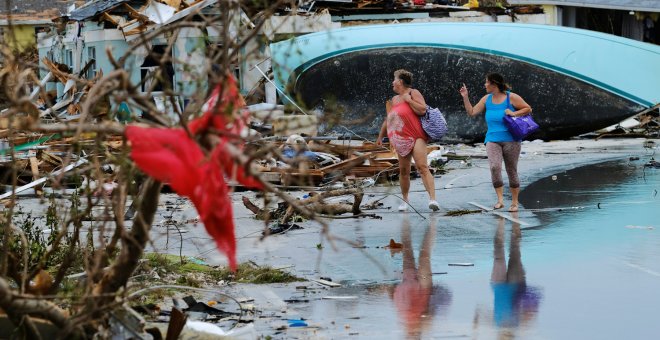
<point>171,156</point>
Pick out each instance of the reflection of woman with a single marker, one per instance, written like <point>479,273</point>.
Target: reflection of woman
<point>515,302</point>
<point>404,130</point>
<point>415,297</point>
<point>500,144</point>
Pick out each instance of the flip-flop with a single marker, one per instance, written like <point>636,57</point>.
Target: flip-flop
<point>513,208</point>
<point>498,206</point>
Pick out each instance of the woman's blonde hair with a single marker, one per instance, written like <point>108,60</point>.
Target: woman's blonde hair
<point>405,76</point>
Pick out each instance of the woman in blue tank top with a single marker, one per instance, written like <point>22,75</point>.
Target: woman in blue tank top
<point>500,145</point>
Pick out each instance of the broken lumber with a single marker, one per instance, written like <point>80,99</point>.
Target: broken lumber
<point>43,179</point>
<point>34,166</point>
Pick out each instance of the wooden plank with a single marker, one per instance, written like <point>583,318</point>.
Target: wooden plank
<point>271,176</point>
<point>14,122</point>
<point>43,179</point>
<point>135,14</point>
<point>135,31</point>
<point>107,17</point>
<point>50,158</point>
<point>61,76</point>
<point>43,82</point>
<point>128,23</point>
<point>511,218</point>
<point>508,217</point>
<point>348,163</point>
<point>34,166</point>
<point>326,282</point>
<point>174,3</point>
<point>481,206</point>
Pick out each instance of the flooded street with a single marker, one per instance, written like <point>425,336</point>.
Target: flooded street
<point>346,169</point>
<point>580,259</point>
<point>581,264</point>
<point>583,272</point>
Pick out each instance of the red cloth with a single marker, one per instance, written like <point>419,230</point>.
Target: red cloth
<point>404,128</point>
<point>173,157</point>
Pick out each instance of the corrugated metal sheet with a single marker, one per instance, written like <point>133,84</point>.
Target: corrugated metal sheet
<point>94,8</point>
<point>626,5</point>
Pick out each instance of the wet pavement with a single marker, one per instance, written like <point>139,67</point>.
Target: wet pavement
<point>581,263</point>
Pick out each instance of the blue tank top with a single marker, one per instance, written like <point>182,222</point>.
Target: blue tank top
<point>497,131</point>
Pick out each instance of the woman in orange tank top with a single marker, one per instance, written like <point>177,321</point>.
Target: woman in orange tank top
<point>405,133</point>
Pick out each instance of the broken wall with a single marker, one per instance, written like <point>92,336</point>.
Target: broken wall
<point>82,41</point>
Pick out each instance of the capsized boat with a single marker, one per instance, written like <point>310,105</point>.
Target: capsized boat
<point>576,81</point>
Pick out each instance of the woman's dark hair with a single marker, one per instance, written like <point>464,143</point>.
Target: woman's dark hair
<point>405,76</point>
<point>498,79</point>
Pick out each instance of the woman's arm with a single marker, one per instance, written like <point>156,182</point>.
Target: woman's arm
<point>472,110</point>
<point>383,128</point>
<point>518,102</point>
<point>381,134</point>
<point>416,101</point>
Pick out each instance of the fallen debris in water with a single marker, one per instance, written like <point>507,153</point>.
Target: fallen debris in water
<point>280,228</point>
<point>344,297</point>
<point>314,201</point>
<point>394,245</point>
<point>462,212</point>
<point>653,164</point>
<point>644,124</point>
<point>326,282</point>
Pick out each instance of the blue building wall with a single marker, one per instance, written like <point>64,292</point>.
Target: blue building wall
<point>81,43</point>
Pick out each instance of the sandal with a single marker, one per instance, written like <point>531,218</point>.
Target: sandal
<point>498,205</point>
<point>513,208</point>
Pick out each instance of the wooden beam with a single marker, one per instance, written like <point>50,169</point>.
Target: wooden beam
<point>107,17</point>
<point>135,14</point>
<point>43,179</point>
<point>34,166</point>
<point>174,3</point>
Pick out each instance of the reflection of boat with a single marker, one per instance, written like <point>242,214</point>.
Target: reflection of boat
<point>577,81</point>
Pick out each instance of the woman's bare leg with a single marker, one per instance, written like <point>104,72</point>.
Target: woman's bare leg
<point>404,176</point>
<point>514,199</point>
<point>421,162</point>
<point>499,191</point>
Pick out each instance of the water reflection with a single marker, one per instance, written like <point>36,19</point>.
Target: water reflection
<point>416,298</point>
<point>579,186</point>
<point>516,303</point>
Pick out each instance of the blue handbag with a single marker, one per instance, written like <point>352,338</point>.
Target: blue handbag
<point>434,123</point>
<point>519,127</point>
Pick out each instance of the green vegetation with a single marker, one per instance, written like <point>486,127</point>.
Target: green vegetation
<point>193,273</point>
<point>251,273</point>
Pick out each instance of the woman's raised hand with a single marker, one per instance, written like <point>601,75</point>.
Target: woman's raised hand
<point>463,91</point>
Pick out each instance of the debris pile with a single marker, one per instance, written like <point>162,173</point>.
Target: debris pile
<point>644,124</point>
<point>324,161</point>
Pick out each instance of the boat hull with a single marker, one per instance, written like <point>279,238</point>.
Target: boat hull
<point>576,81</point>
<point>352,89</point>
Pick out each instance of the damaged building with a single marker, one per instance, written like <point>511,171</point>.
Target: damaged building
<point>633,19</point>
<point>88,40</point>
<point>82,38</point>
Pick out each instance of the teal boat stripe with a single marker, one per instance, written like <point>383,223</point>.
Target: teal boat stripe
<point>304,67</point>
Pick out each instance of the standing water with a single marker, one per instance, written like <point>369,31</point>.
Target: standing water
<point>588,269</point>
